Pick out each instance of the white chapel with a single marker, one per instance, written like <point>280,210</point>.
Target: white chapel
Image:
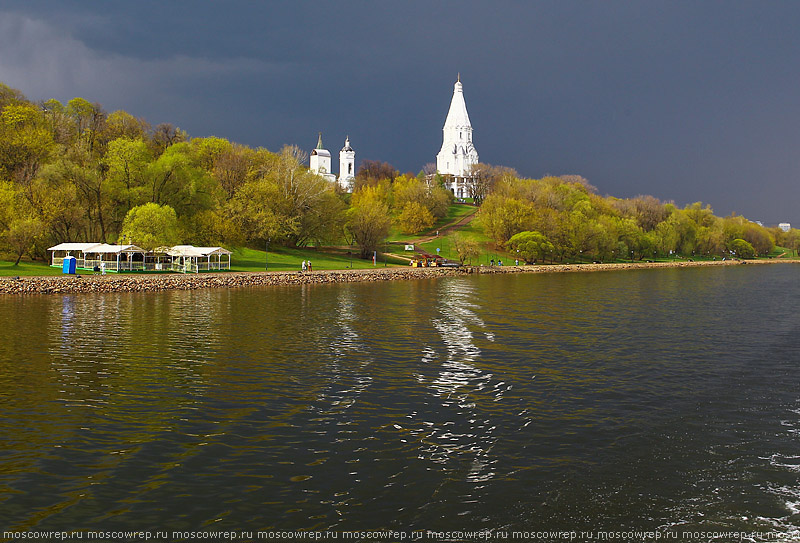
<point>320,163</point>
<point>458,154</point>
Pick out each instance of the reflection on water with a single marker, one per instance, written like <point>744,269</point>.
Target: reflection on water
<point>646,400</point>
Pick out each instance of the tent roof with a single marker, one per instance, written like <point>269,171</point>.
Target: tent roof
<point>73,246</point>
<point>191,250</point>
<point>106,248</point>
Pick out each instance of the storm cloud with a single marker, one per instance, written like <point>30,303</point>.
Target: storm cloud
<point>685,101</point>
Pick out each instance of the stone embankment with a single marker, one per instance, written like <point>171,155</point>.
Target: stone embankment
<point>154,283</point>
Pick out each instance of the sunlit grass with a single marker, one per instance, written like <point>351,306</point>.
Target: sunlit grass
<point>8,269</point>
<point>290,259</point>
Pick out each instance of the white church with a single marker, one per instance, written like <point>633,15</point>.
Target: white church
<point>458,154</point>
<point>320,163</point>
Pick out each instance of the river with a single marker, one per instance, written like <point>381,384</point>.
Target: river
<point>664,400</point>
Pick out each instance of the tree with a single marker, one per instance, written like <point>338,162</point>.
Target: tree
<point>22,234</point>
<point>434,198</point>
<point>742,249</point>
<point>174,179</point>
<point>127,164</point>
<point>503,216</point>
<point>371,172</point>
<point>165,134</point>
<point>25,143</point>
<point>482,179</point>
<point>793,240</point>
<point>759,237</point>
<point>466,249</point>
<point>253,212</point>
<point>150,226</point>
<point>414,218</point>
<point>531,246</point>
<point>208,150</point>
<point>285,202</point>
<point>88,119</point>
<point>121,124</point>
<point>368,220</point>
<point>232,167</point>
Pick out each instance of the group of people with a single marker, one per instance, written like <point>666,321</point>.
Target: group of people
<point>306,266</point>
<point>500,262</point>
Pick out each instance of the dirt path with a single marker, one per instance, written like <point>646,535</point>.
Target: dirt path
<point>447,228</point>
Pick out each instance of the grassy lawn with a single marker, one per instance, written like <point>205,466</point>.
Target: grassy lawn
<point>286,259</point>
<point>778,251</point>
<point>454,213</point>
<point>8,269</point>
<point>243,259</point>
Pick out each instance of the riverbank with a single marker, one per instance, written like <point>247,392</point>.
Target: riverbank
<point>154,283</point>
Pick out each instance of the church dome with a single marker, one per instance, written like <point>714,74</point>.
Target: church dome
<point>347,145</point>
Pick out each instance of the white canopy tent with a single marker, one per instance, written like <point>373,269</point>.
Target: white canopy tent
<point>114,257</point>
<point>66,249</point>
<point>117,258</point>
<point>191,259</point>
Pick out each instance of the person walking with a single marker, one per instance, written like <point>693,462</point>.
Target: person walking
<point>303,266</point>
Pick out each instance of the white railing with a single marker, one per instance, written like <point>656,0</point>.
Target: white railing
<point>125,266</point>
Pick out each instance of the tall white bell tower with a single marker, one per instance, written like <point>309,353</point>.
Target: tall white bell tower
<point>347,166</point>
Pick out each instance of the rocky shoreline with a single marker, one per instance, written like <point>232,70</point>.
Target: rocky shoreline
<point>155,283</point>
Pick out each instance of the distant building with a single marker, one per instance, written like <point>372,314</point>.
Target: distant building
<point>458,154</point>
<point>320,163</point>
<point>785,226</point>
<point>347,166</point>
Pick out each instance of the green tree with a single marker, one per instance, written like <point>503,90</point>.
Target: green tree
<point>531,246</point>
<point>25,143</point>
<point>121,124</point>
<point>127,163</point>
<point>88,119</point>
<point>503,216</point>
<point>742,249</point>
<point>174,179</point>
<point>150,226</point>
<point>793,240</point>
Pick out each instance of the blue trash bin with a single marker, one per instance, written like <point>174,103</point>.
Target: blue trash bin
<point>70,265</point>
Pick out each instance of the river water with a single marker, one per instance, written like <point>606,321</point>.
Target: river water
<point>664,400</point>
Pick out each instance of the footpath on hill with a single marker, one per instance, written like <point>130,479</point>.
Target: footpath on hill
<point>66,284</point>
<point>444,230</point>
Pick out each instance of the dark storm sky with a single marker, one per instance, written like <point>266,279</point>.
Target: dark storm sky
<point>686,101</point>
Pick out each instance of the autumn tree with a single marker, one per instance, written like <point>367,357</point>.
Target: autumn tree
<point>414,218</point>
